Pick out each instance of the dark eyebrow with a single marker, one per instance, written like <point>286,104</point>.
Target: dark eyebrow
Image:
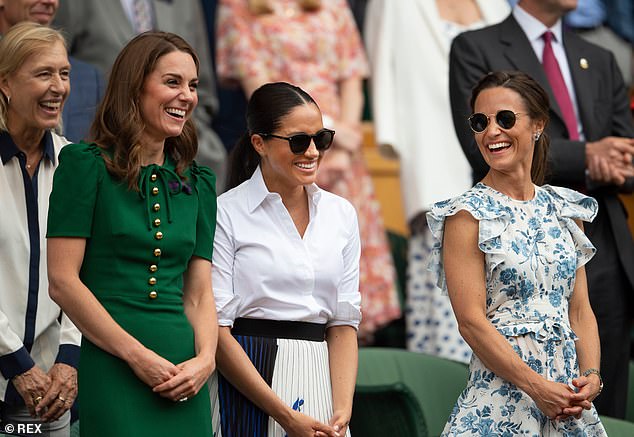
<point>178,76</point>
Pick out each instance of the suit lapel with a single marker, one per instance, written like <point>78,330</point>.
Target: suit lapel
<point>521,55</point>
<point>581,79</point>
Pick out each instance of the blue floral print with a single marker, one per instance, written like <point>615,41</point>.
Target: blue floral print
<point>532,252</point>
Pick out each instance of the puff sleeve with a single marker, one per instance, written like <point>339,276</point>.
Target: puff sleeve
<point>75,186</point>
<point>205,181</point>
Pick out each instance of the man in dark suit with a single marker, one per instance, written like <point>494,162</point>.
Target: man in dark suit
<point>592,153</point>
<point>86,81</point>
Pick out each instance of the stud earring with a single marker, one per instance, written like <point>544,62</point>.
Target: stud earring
<point>536,136</point>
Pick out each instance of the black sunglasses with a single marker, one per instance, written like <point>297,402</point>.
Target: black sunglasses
<point>299,143</point>
<point>505,119</point>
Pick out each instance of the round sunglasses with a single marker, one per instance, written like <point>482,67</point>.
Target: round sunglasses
<point>505,118</point>
<point>299,143</point>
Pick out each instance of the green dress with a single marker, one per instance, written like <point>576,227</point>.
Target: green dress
<point>138,245</point>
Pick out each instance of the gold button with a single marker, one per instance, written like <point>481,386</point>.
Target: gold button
<point>157,252</point>
<point>153,268</point>
<point>155,191</point>
<point>156,207</point>
<point>157,222</point>
<point>152,294</point>
<point>153,177</point>
<point>158,235</point>
<point>152,281</point>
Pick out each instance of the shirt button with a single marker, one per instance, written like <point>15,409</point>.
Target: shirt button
<point>153,177</point>
<point>156,206</point>
<point>153,268</point>
<point>152,294</point>
<point>158,235</point>
<point>157,222</point>
<point>152,281</point>
<point>157,252</point>
<point>155,191</point>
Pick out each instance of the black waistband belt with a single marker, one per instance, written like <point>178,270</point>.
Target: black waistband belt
<point>279,329</point>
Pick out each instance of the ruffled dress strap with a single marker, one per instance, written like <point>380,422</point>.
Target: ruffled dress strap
<point>493,218</point>
<point>571,205</point>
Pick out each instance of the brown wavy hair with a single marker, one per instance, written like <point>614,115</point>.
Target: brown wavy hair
<point>118,124</point>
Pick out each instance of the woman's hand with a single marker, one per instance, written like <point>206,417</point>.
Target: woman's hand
<point>588,388</point>
<point>301,425</point>
<point>552,398</point>
<point>32,386</point>
<point>339,422</point>
<point>151,368</point>
<point>193,375</point>
<point>61,393</point>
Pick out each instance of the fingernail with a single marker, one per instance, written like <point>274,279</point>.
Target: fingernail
<point>336,427</point>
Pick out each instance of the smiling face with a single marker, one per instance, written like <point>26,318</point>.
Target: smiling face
<point>37,11</point>
<point>38,90</point>
<point>282,169</point>
<point>506,150</point>
<point>168,97</point>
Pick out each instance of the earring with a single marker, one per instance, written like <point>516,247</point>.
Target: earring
<point>8,100</point>
<point>536,136</point>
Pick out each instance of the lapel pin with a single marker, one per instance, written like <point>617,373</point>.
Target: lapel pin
<point>583,63</point>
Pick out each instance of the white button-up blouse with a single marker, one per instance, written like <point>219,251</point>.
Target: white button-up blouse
<point>263,268</point>
<point>33,330</point>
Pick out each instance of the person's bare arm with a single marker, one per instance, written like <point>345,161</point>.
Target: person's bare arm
<point>465,271</point>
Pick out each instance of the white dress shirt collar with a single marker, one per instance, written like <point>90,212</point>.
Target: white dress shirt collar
<point>533,28</point>
<point>257,192</point>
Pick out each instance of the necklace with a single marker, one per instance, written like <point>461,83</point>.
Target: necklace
<point>33,162</point>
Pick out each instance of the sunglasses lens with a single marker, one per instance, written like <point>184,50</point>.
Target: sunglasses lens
<point>323,139</point>
<point>505,119</point>
<point>478,122</point>
<point>299,143</point>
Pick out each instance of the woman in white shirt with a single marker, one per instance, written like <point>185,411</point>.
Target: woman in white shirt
<point>286,278</point>
<point>39,346</point>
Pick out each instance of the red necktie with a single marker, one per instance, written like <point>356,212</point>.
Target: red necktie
<point>556,80</point>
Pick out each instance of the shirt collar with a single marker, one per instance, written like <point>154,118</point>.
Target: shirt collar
<point>257,192</point>
<point>8,149</point>
<point>533,28</point>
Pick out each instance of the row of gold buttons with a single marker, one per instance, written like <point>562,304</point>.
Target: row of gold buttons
<point>153,294</point>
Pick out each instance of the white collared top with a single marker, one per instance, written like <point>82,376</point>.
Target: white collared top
<point>33,330</point>
<point>263,268</point>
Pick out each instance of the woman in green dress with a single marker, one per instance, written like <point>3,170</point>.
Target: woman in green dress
<point>130,245</point>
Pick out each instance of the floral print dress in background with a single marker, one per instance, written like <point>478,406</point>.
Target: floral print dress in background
<point>315,51</point>
<point>532,251</point>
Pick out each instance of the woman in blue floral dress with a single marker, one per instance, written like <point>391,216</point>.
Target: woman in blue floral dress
<point>510,254</point>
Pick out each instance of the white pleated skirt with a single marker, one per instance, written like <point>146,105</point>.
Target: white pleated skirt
<point>298,372</point>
